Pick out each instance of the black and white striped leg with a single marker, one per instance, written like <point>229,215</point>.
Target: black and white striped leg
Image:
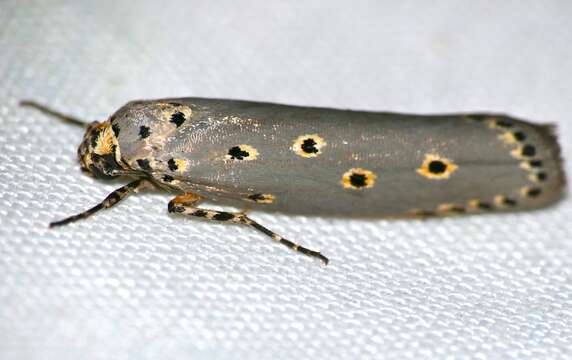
<point>184,204</point>
<point>111,199</point>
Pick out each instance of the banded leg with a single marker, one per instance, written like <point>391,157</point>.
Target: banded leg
<point>111,199</point>
<point>185,204</point>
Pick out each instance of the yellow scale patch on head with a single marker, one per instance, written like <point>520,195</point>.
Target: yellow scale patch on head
<point>308,146</point>
<point>436,168</point>
<point>105,140</point>
<point>358,178</point>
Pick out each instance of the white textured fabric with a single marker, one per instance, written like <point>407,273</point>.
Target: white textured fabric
<point>136,283</point>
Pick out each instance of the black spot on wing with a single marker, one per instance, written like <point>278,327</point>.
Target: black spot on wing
<point>437,167</point>
<point>178,118</point>
<point>519,136</point>
<point>144,131</point>
<point>172,164</point>
<point>536,163</point>
<point>236,153</point>
<point>144,164</point>
<point>504,123</point>
<point>533,192</point>
<point>484,206</point>
<point>541,176</point>
<point>309,146</point>
<point>528,150</point>
<point>358,180</point>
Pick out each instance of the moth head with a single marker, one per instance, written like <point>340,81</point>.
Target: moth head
<point>99,151</point>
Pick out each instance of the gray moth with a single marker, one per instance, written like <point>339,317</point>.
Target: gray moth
<point>320,161</point>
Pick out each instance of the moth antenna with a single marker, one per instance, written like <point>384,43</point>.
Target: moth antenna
<point>46,110</point>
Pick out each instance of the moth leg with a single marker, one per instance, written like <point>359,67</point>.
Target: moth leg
<point>185,204</point>
<point>111,199</point>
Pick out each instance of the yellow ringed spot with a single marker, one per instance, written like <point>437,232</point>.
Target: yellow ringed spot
<point>538,177</point>
<point>170,108</point>
<point>511,138</point>
<point>242,152</point>
<point>530,192</point>
<point>358,178</point>
<point>436,167</point>
<point>421,213</point>
<point>503,201</point>
<point>495,123</point>
<point>308,146</point>
<point>524,152</point>
<point>449,208</point>
<point>478,205</point>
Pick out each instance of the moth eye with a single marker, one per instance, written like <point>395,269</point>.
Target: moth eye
<point>308,145</point>
<point>144,131</point>
<point>242,152</point>
<point>94,139</point>
<point>358,178</point>
<point>436,167</point>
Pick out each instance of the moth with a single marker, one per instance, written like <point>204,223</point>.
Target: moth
<point>319,161</point>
